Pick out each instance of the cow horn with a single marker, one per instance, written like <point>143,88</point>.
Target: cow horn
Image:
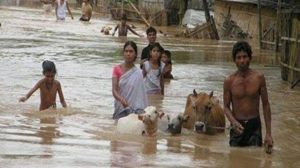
<point>194,92</point>
<point>211,94</point>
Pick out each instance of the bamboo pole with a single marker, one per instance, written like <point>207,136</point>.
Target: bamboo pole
<point>139,13</point>
<point>259,23</point>
<point>294,83</point>
<point>278,25</point>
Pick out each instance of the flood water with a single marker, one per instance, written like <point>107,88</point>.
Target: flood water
<point>83,135</point>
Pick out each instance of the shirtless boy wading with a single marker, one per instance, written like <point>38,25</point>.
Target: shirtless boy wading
<point>242,92</point>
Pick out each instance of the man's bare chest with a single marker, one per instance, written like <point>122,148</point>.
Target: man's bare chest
<point>248,87</point>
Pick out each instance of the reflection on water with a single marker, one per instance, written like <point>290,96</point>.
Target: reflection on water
<point>83,134</point>
<point>128,154</point>
<point>48,130</point>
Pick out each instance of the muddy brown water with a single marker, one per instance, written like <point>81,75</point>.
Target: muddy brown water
<point>83,135</point>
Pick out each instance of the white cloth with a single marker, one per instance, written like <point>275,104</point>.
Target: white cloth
<point>152,78</point>
<point>132,89</point>
<point>61,10</point>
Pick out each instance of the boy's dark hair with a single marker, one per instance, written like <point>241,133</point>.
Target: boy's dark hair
<point>48,66</point>
<point>133,45</point>
<point>168,53</point>
<point>124,17</point>
<point>150,29</point>
<point>241,46</point>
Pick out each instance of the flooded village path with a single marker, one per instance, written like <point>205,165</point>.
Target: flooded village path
<point>83,135</point>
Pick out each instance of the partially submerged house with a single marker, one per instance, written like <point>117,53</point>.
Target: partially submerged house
<point>239,18</point>
<point>289,26</point>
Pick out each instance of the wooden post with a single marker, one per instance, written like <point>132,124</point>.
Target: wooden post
<point>259,23</point>
<point>122,8</point>
<point>206,10</point>
<point>210,20</point>
<point>214,28</point>
<point>278,25</point>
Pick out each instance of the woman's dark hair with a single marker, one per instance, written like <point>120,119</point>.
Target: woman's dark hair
<point>48,66</point>
<point>150,29</point>
<point>133,45</point>
<point>156,45</point>
<point>241,46</point>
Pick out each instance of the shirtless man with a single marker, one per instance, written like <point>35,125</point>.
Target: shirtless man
<point>86,12</point>
<point>123,28</point>
<point>242,91</point>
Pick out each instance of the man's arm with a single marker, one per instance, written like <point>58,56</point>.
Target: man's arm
<point>227,101</point>
<point>266,110</point>
<point>116,28</point>
<point>134,32</point>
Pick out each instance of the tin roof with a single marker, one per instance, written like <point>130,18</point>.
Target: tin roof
<point>265,3</point>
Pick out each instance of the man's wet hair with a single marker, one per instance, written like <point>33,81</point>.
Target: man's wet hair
<point>151,29</point>
<point>241,46</point>
<point>48,66</point>
<point>133,45</point>
<point>124,17</point>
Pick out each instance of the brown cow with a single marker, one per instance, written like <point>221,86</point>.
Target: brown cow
<point>205,113</point>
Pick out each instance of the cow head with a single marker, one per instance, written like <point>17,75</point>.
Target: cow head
<point>175,124</point>
<point>202,104</point>
<point>150,118</point>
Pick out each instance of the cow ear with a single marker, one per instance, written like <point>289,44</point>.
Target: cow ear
<point>194,92</point>
<point>186,118</point>
<point>140,117</point>
<point>211,94</point>
<point>161,114</point>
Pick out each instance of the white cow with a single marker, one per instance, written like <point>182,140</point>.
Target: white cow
<point>140,124</point>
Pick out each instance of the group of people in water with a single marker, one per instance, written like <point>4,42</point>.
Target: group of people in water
<point>62,6</point>
<point>132,84</point>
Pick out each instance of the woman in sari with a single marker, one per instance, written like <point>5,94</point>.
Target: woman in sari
<point>127,84</point>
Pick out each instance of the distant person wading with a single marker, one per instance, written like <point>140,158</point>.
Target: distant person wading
<point>86,11</point>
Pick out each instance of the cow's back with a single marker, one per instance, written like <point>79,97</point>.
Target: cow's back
<point>130,125</point>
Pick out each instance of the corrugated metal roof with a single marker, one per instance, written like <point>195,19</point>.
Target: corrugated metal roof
<point>264,3</point>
